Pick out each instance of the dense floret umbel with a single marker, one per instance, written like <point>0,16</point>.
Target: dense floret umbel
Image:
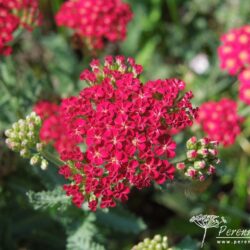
<point>15,14</point>
<point>95,21</point>
<point>119,132</point>
<point>220,120</point>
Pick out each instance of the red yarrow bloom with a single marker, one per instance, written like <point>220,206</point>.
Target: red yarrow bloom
<point>95,21</point>
<point>234,52</point>
<point>220,120</point>
<point>119,132</point>
<point>13,15</point>
<point>244,89</point>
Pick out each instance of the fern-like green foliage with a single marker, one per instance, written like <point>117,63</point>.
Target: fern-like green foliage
<point>84,236</point>
<point>46,199</point>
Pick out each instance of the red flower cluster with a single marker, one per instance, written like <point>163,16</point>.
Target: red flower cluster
<point>234,54</point>
<point>244,78</point>
<point>95,20</point>
<point>220,120</point>
<point>13,14</point>
<point>119,132</point>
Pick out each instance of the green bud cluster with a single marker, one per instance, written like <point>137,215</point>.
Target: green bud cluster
<point>23,137</point>
<point>157,243</point>
<point>202,156</point>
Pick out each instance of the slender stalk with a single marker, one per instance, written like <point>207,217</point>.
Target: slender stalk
<point>52,158</point>
<point>204,236</point>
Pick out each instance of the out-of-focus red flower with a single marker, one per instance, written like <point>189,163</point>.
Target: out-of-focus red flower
<point>15,14</point>
<point>234,52</point>
<point>95,21</point>
<point>244,89</point>
<point>220,120</point>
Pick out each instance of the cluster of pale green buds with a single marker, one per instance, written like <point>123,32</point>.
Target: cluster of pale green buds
<point>202,156</point>
<point>23,137</point>
<point>157,243</point>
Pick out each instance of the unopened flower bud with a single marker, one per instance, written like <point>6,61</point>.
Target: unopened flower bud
<point>204,142</point>
<point>30,134</point>
<point>199,164</point>
<point>21,134</point>
<point>21,123</point>
<point>191,154</point>
<point>157,238</point>
<point>202,178</point>
<point>38,121</point>
<point>31,126</point>
<point>191,172</point>
<point>217,161</point>
<point>44,164</point>
<point>213,152</point>
<point>158,247</point>
<point>15,126</point>
<point>191,143</point>
<point>25,153</point>
<point>180,165</point>
<point>39,147</point>
<point>204,152</point>
<point>24,143</point>
<point>33,115</point>
<point>8,132</point>
<point>34,160</point>
<point>211,169</point>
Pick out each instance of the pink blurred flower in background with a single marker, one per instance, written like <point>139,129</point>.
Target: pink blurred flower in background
<point>95,21</point>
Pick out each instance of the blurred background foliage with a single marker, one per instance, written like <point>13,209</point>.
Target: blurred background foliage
<point>165,36</point>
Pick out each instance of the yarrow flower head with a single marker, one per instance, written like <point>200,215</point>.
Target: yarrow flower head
<point>95,21</point>
<point>234,53</point>
<point>23,137</point>
<point>201,158</point>
<point>244,89</point>
<point>220,120</point>
<point>119,132</point>
<point>157,243</point>
<point>15,14</point>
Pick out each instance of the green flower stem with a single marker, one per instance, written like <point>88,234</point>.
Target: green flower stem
<point>52,158</point>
